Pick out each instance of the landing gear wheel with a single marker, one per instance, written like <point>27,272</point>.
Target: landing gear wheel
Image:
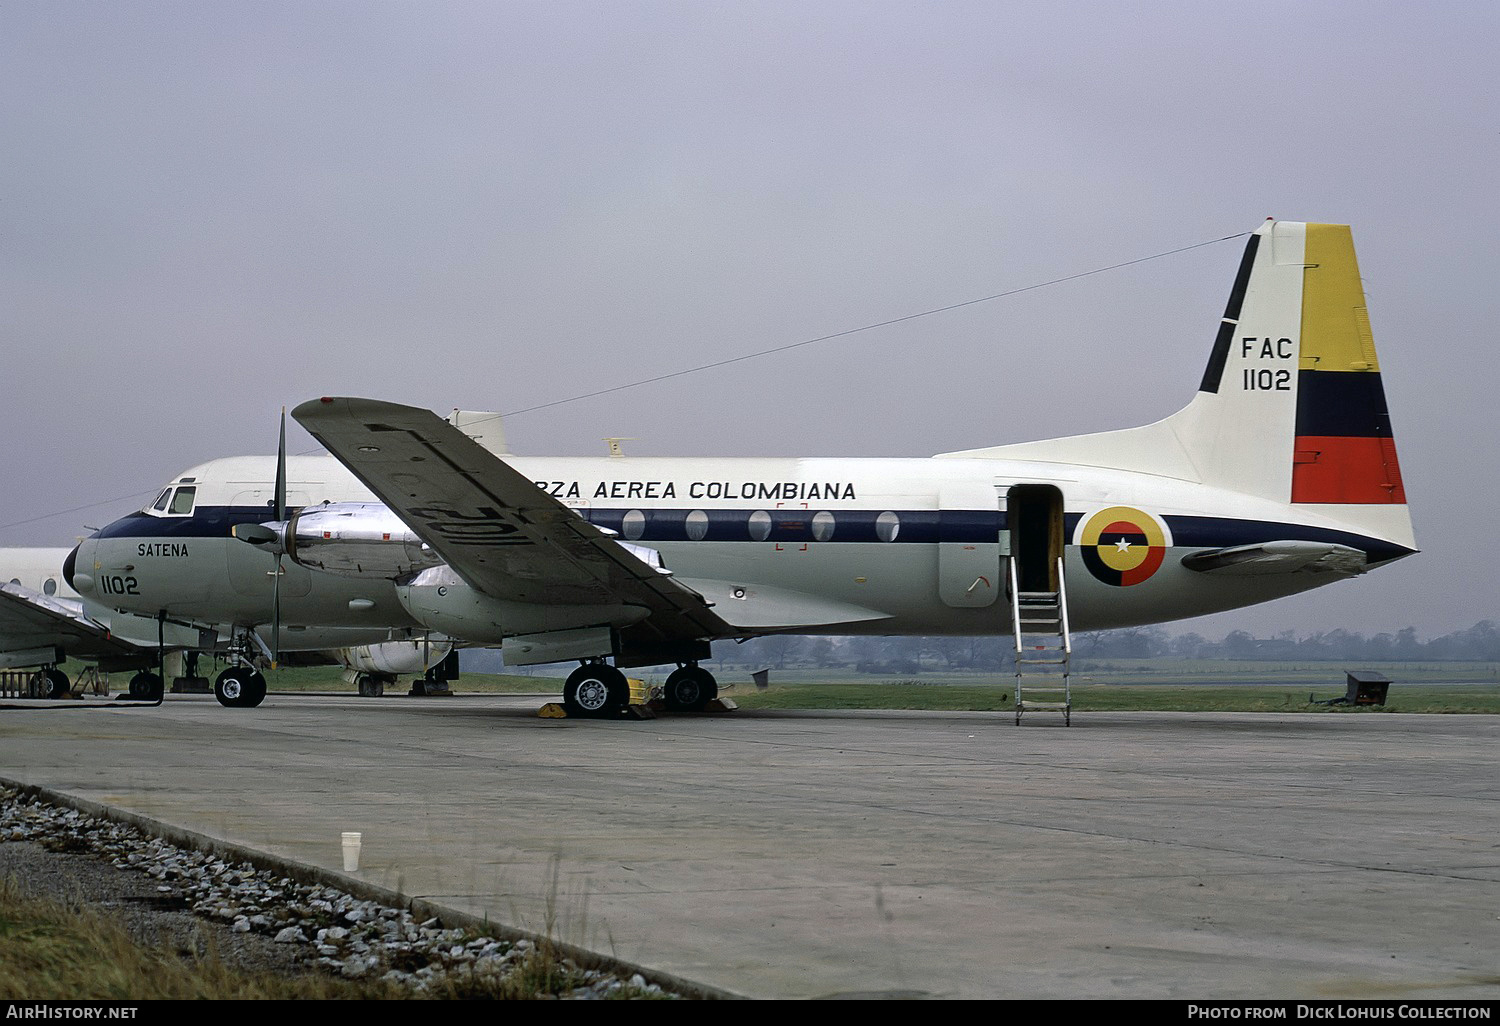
<point>690,688</point>
<point>146,686</point>
<point>255,691</point>
<point>240,688</point>
<point>51,683</point>
<point>595,689</point>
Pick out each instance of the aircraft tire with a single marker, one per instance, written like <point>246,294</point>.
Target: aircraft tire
<point>619,693</point>
<point>689,689</point>
<point>254,692</point>
<point>52,683</point>
<point>233,686</point>
<point>595,690</point>
<point>146,686</point>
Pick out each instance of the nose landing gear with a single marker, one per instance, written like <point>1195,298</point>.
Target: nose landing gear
<point>240,687</point>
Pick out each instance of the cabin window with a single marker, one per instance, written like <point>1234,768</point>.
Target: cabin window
<point>633,525</point>
<point>822,526</point>
<point>887,525</point>
<point>49,586</point>
<point>760,525</point>
<point>697,525</point>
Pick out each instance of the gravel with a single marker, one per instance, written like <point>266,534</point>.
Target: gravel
<point>256,918</point>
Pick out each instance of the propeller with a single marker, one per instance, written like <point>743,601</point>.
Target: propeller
<point>273,538</point>
<point>280,518</point>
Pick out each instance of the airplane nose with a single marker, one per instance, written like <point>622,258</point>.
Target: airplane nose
<point>69,564</point>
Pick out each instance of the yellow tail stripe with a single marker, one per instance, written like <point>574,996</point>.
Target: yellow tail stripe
<point>1335,325</point>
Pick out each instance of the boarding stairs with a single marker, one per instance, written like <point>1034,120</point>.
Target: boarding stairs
<point>1039,625</point>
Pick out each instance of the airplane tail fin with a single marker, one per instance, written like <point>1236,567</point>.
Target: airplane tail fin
<point>1291,407</point>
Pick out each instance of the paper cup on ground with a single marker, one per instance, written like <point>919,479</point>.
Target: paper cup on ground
<point>351,851</point>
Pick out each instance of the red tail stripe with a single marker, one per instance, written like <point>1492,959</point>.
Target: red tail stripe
<point>1331,468</point>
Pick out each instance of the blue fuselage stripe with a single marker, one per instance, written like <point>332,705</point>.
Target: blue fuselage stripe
<point>923,527</point>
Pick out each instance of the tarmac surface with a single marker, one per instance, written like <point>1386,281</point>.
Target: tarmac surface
<point>799,854</point>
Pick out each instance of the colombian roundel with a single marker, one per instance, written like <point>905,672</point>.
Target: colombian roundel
<point>1122,546</point>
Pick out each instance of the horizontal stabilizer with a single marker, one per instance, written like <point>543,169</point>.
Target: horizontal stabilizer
<point>1277,557</point>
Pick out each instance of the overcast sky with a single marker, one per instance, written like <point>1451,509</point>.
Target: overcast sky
<point>211,210</point>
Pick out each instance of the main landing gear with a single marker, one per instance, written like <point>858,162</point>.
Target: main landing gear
<point>240,687</point>
<point>372,685</point>
<point>689,688</point>
<point>596,689</point>
<point>600,691</point>
<point>146,686</point>
<point>50,682</point>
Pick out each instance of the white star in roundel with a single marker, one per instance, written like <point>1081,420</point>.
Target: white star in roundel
<point>1122,545</point>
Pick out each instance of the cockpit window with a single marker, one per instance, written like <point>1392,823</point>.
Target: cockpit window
<point>174,502</point>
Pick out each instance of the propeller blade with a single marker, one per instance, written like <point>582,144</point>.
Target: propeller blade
<point>281,471</point>
<point>280,518</point>
<point>276,617</point>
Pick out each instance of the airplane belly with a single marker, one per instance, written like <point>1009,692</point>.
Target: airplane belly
<point>1173,593</point>
<point>916,586</point>
<point>897,581</point>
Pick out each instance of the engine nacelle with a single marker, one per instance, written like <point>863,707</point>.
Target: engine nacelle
<point>442,601</point>
<point>395,657</point>
<point>355,539</point>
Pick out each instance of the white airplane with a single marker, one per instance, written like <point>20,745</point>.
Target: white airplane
<point>43,621</point>
<point>41,618</point>
<point>1279,475</point>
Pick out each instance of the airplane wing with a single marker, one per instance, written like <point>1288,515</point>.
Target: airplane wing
<point>495,528</point>
<point>1278,557</point>
<point>37,629</point>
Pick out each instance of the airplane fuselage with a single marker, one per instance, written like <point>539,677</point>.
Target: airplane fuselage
<point>848,546</point>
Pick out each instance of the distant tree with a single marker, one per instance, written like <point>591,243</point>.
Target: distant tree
<point>1239,645</point>
<point>822,652</point>
<point>1187,646</point>
<point>778,648</point>
<point>952,651</point>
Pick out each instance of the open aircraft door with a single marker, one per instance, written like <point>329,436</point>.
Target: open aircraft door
<point>1034,534</point>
